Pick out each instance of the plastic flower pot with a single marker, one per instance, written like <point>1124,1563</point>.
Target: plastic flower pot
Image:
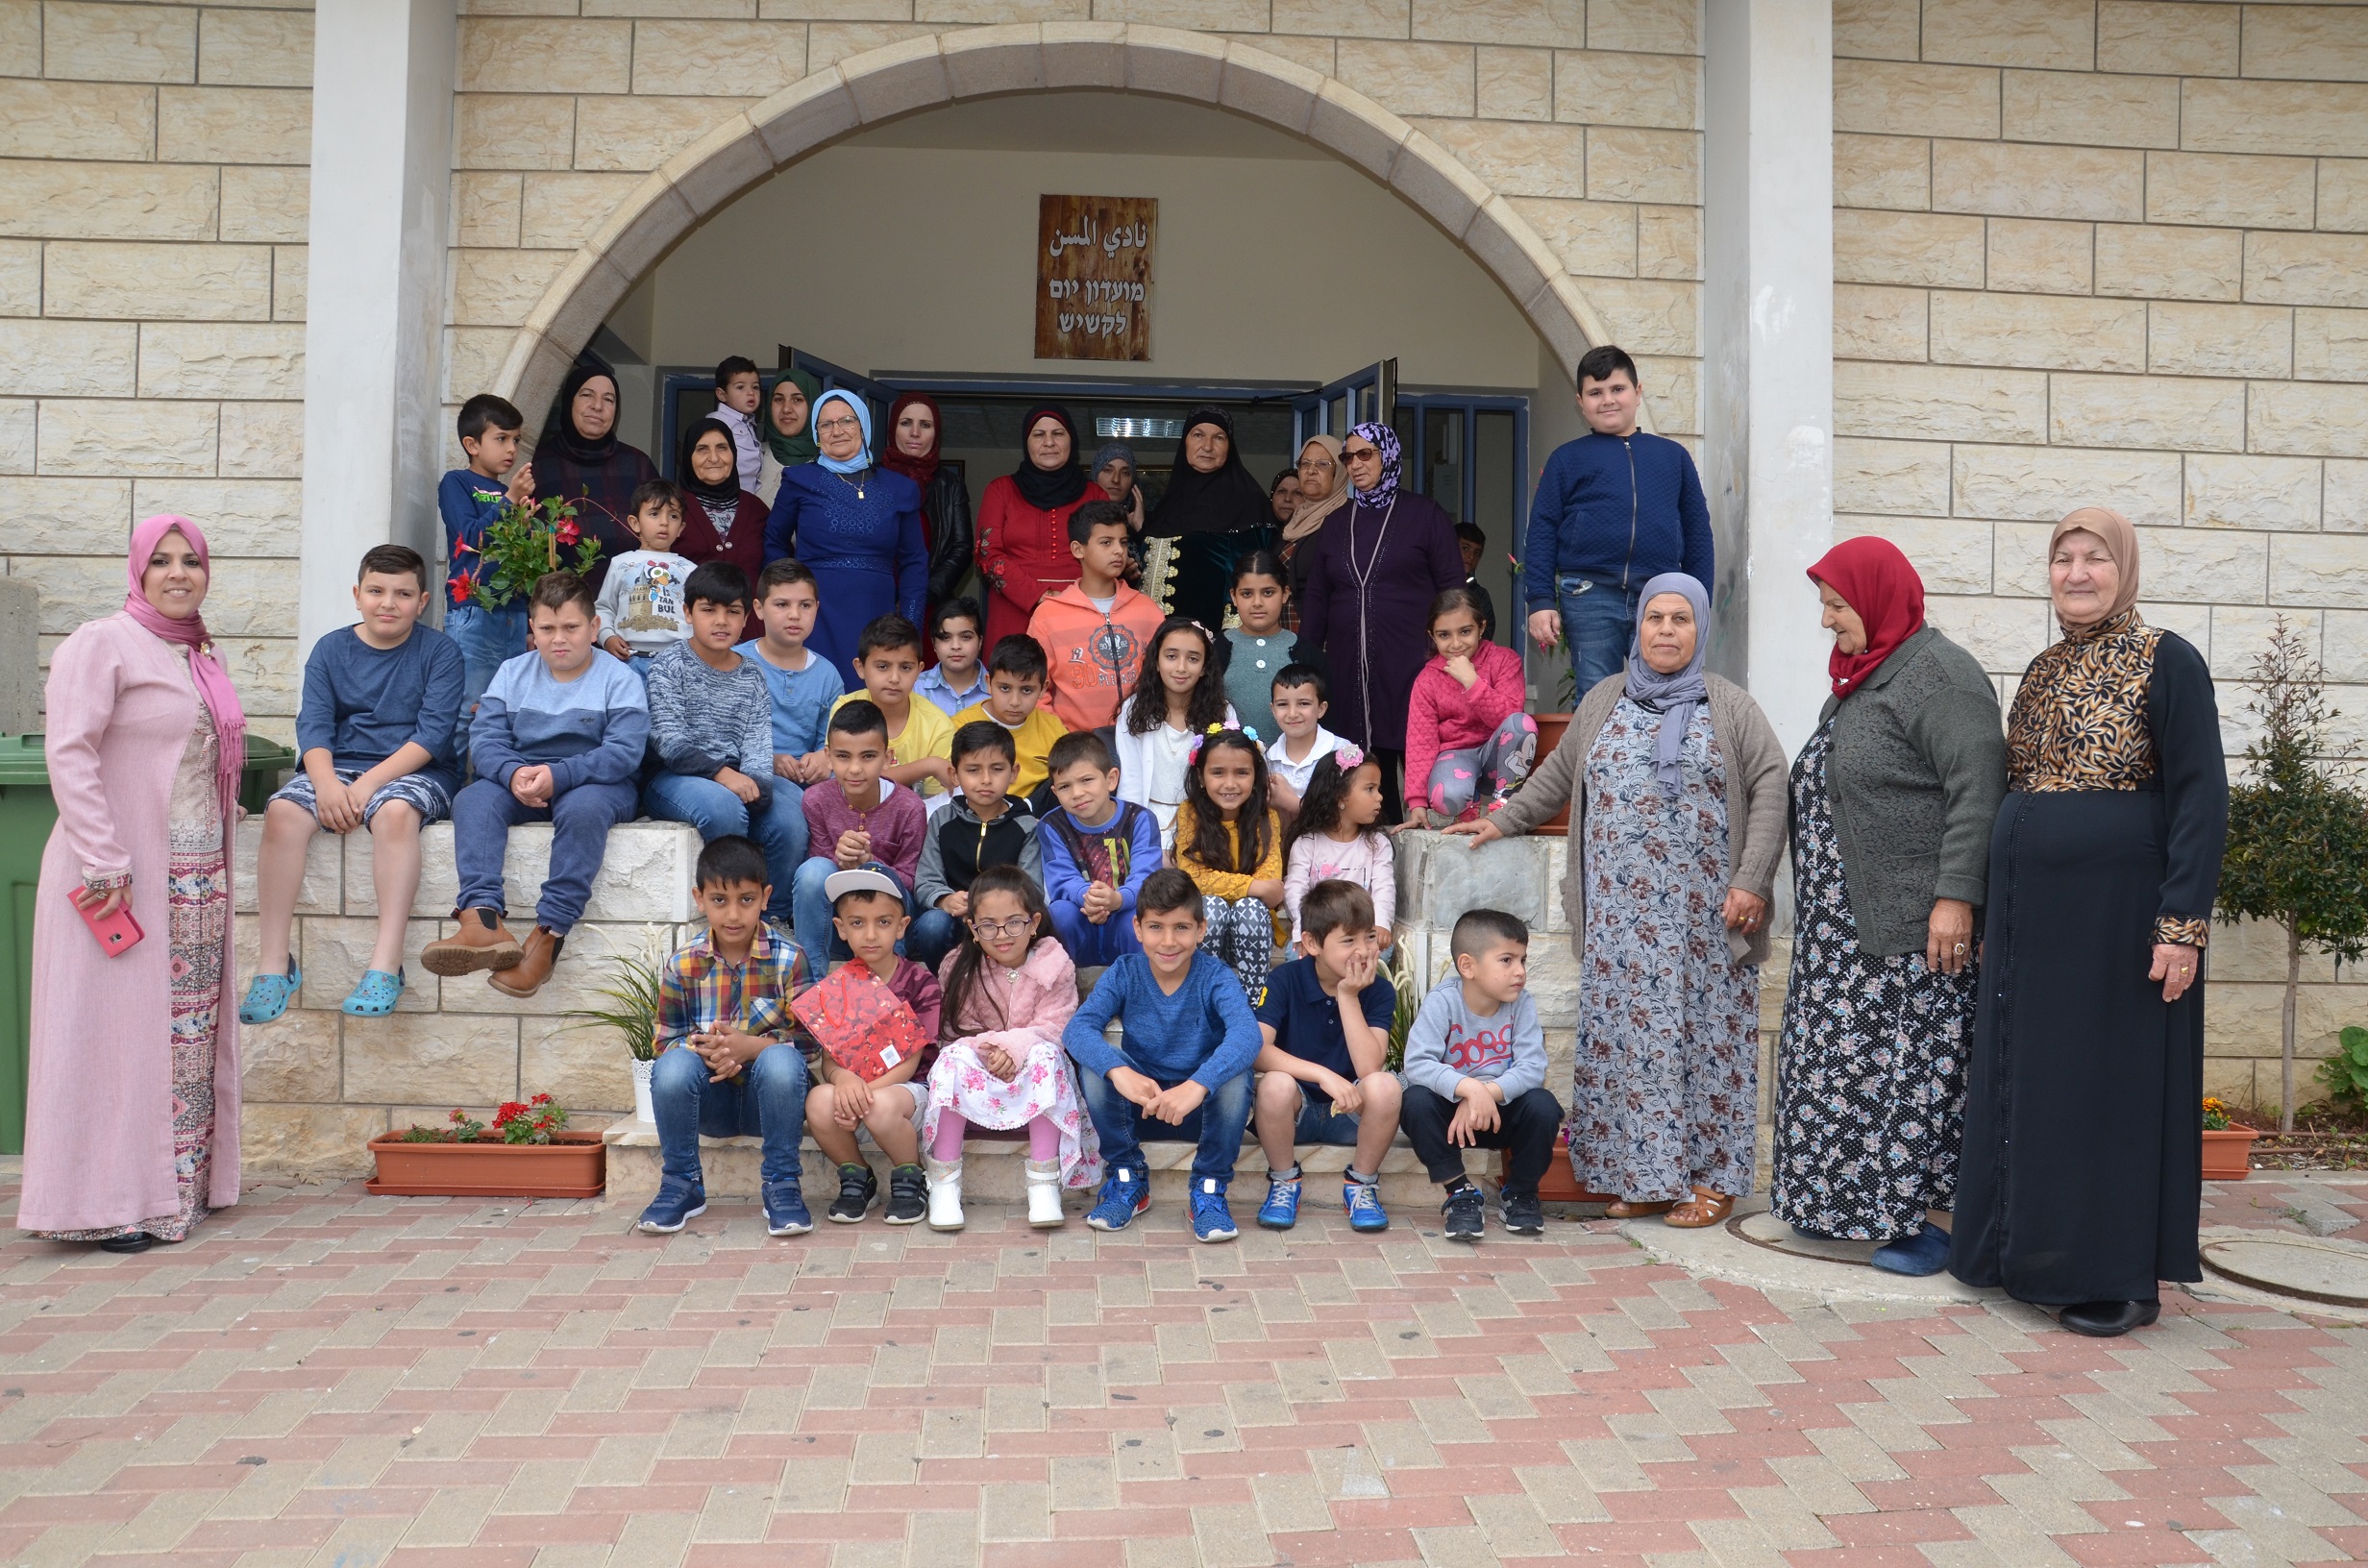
<point>644,1109</point>
<point>573,1165</point>
<point>2228,1154</point>
<point>1550,728</point>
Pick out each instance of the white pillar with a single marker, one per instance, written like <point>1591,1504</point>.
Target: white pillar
<point>381,180</point>
<point>1768,341</point>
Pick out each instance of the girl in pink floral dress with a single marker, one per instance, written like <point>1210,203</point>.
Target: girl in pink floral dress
<point>1010,989</point>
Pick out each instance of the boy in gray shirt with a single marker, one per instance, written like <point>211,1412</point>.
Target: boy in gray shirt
<point>1475,1076</point>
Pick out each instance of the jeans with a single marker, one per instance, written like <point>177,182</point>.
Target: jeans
<point>581,818</point>
<point>1092,947</point>
<point>1216,1126</point>
<point>776,823</point>
<point>810,912</point>
<point>766,1100</point>
<point>1525,1130</point>
<point>1599,621</point>
<point>932,935</point>
<point>486,638</point>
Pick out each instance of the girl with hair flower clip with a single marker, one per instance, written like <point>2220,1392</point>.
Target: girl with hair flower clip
<point>1230,843</point>
<point>1336,836</point>
<point>1181,697</point>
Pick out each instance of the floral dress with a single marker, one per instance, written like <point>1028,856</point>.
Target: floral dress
<point>1664,1092</point>
<point>1870,1068</point>
<point>1042,993</point>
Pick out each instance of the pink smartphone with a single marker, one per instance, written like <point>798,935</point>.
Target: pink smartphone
<point>118,933</point>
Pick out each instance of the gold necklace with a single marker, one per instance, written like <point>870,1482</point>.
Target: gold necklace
<point>857,483</point>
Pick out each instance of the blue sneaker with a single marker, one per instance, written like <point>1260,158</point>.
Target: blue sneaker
<point>1281,1210</point>
<point>1124,1194</point>
<point>1363,1200</point>
<point>677,1204</point>
<point>785,1210</point>
<point>1212,1221</point>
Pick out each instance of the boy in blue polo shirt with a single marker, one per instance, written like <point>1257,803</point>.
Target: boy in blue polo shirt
<point>1325,1022</point>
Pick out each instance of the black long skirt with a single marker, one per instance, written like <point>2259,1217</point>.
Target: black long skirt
<point>2083,1168</point>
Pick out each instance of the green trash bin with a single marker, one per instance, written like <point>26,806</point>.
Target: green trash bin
<point>27,812</point>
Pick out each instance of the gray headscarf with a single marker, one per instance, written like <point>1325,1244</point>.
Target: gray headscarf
<point>1674,697</point>
<point>1116,450</point>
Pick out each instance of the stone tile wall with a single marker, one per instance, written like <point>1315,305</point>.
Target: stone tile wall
<point>153,201</point>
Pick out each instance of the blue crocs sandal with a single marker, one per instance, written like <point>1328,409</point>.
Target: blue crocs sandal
<point>267,995</point>
<point>374,994</point>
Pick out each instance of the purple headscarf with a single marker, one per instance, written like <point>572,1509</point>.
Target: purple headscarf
<point>1385,442</point>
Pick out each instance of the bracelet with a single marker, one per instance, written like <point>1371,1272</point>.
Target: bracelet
<point>109,882</point>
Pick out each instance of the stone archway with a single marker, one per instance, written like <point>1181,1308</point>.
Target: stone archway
<point>993,62</point>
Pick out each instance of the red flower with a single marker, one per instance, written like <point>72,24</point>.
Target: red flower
<point>510,1110</point>
<point>462,587</point>
<point>568,533</point>
<point>540,1099</point>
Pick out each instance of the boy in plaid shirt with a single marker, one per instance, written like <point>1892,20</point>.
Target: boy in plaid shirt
<point>728,1065</point>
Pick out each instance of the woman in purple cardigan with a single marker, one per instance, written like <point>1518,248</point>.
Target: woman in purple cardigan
<point>1379,563</point>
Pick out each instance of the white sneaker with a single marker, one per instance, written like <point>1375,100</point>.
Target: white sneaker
<point>1044,1195</point>
<point>945,1194</point>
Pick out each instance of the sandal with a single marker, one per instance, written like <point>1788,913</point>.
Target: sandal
<point>1638,1208</point>
<point>374,994</point>
<point>268,994</point>
<point>1700,1211</point>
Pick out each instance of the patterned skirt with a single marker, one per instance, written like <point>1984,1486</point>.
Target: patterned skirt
<point>198,918</point>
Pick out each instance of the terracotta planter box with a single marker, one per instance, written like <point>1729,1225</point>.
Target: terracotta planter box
<point>1550,727</point>
<point>571,1166</point>
<point>1559,1184</point>
<point>2228,1156</point>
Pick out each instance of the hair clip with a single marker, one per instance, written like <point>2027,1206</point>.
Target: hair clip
<point>1250,733</point>
<point>1348,757</point>
<point>1215,729</point>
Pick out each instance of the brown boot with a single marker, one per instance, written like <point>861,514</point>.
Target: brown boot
<point>482,943</point>
<point>535,964</point>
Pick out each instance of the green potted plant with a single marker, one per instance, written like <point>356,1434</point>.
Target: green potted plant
<point>2298,831</point>
<point>527,1153</point>
<point>629,1005</point>
<point>519,546</point>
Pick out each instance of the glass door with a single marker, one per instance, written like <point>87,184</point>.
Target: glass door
<point>1358,397</point>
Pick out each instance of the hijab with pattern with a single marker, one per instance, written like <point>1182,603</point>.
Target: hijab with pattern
<point>207,672</point>
<point>1385,441</point>
<point>1882,588</point>
<point>863,422</point>
<point>1674,696</point>
<point>1048,488</point>
<point>789,450</point>
<point>1310,515</point>
<point>923,469</point>
<point>2120,543</point>
<point>1226,502</point>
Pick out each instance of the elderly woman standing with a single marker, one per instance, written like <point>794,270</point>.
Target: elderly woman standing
<point>1023,522</point>
<point>856,526</point>
<point>2082,1174</point>
<point>1324,489</point>
<point>132,1109</point>
<point>1211,515</point>
<point>1675,783</point>
<point>581,462</point>
<point>1893,799</point>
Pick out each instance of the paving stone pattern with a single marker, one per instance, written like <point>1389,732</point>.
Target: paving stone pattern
<point>322,1377</point>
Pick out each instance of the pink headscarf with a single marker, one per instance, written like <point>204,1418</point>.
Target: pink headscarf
<point>205,667</point>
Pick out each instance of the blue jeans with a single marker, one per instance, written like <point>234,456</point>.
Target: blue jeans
<point>1092,947</point>
<point>933,935</point>
<point>486,638</point>
<point>776,823</point>
<point>810,913</point>
<point>767,1100</point>
<point>1216,1126</point>
<point>484,813</point>
<point>1599,621</point>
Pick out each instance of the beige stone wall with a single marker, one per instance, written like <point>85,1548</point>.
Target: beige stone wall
<point>152,203</point>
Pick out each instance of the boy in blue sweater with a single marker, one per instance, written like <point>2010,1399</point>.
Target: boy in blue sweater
<point>375,740</point>
<point>1614,508</point>
<point>1097,851</point>
<point>559,739</point>
<point>1183,1072</point>
<point>469,500</point>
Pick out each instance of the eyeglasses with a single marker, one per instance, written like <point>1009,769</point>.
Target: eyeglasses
<point>1003,930</point>
<point>1358,454</point>
<point>838,425</point>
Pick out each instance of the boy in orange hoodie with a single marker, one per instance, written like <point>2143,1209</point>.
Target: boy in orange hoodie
<point>1096,630</point>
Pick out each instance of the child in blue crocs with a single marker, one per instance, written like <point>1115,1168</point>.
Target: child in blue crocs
<point>377,743</point>
<point>1324,1021</point>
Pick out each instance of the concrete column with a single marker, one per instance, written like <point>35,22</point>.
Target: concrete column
<point>381,180</point>
<point>1768,342</point>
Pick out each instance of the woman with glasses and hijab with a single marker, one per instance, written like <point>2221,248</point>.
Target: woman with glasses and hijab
<point>1324,489</point>
<point>1023,522</point>
<point>856,526</point>
<point>1380,560</point>
<point>1212,514</point>
<point>581,462</point>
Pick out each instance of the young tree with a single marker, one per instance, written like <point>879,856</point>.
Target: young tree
<point>2298,829</point>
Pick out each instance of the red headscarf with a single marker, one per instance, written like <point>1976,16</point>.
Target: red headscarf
<point>207,672</point>
<point>920,470</point>
<point>1874,580</point>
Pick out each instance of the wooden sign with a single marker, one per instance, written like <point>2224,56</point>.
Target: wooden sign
<point>1094,276</point>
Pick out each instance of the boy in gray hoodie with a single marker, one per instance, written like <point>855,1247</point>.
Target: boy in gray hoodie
<point>1475,1076</point>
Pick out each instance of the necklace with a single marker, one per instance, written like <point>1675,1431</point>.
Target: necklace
<point>857,481</point>
<point>1364,617</point>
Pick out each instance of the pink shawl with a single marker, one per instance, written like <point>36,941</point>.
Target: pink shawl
<point>205,667</point>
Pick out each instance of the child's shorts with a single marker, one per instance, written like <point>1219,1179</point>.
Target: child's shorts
<point>417,791</point>
<point>1320,1124</point>
<point>920,1088</point>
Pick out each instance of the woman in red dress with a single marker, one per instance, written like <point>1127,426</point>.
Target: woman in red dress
<point>1023,522</point>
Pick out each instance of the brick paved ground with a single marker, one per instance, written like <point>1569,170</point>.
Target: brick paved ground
<point>328,1378</point>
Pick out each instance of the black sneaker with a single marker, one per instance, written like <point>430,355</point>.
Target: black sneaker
<point>858,1191</point>
<point>908,1194</point>
<point>1464,1209</point>
<point>1522,1215</point>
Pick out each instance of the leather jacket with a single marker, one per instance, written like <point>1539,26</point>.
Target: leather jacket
<point>945,515</point>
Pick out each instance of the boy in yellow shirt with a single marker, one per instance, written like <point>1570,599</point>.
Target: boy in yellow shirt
<point>1017,673</point>
<point>920,735</point>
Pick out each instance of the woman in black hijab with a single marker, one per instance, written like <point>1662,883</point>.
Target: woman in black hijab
<point>721,522</point>
<point>580,460</point>
<point>1213,514</point>
<point>1024,521</point>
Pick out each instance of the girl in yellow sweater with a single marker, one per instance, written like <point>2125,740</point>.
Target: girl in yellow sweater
<point>1230,844</point>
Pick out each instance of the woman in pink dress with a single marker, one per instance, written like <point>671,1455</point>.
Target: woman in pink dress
<point>132,1107</point>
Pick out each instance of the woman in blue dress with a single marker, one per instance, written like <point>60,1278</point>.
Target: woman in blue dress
<point>856,526</point>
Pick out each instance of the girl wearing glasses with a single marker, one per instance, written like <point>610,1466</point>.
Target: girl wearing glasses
<point>1010,989</point>
<point>856,526</point>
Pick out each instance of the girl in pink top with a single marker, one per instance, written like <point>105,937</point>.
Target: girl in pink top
<point>1335,837</point>
<point>1467,739</point>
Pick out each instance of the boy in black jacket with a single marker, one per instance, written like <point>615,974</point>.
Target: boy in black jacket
<point>985,825</point>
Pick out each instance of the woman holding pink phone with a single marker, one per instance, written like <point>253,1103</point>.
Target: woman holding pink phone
<point>132,1108</point>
